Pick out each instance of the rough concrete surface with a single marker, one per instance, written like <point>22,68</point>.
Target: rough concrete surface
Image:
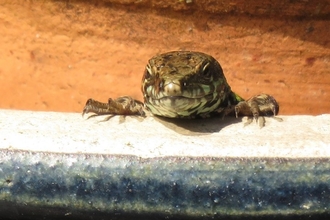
<point>295,137</point>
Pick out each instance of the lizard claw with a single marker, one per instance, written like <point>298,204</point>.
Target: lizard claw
<point>121,106</point>
<point>258,106</point>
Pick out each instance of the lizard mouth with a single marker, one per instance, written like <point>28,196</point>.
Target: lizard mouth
<point>178,91</point>
<point>181,106</point>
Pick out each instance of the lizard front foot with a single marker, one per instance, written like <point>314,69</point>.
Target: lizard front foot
<point>124,105</point>
<point>258,106</point>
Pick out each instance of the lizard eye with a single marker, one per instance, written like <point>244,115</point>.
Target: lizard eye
<point>206,72</point>
<point>147,74</point>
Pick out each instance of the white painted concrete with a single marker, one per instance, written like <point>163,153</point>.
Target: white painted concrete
<point>295,137</point>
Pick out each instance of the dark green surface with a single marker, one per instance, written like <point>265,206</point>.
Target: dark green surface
<point>35,185</point>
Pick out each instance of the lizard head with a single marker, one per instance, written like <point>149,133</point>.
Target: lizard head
<point>183,84</point>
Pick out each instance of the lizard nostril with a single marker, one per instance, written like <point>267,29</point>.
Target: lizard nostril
<point>161,85</point>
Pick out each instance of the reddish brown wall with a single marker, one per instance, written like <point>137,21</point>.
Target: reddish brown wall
<point>56,54</point>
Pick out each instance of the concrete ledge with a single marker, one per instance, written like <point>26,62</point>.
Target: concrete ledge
<point>59,164</point>
<point>295,137</point>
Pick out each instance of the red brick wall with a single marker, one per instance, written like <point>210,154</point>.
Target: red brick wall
<point>56,54</point>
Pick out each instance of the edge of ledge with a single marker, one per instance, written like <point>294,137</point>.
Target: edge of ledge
<point>53,185</point>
